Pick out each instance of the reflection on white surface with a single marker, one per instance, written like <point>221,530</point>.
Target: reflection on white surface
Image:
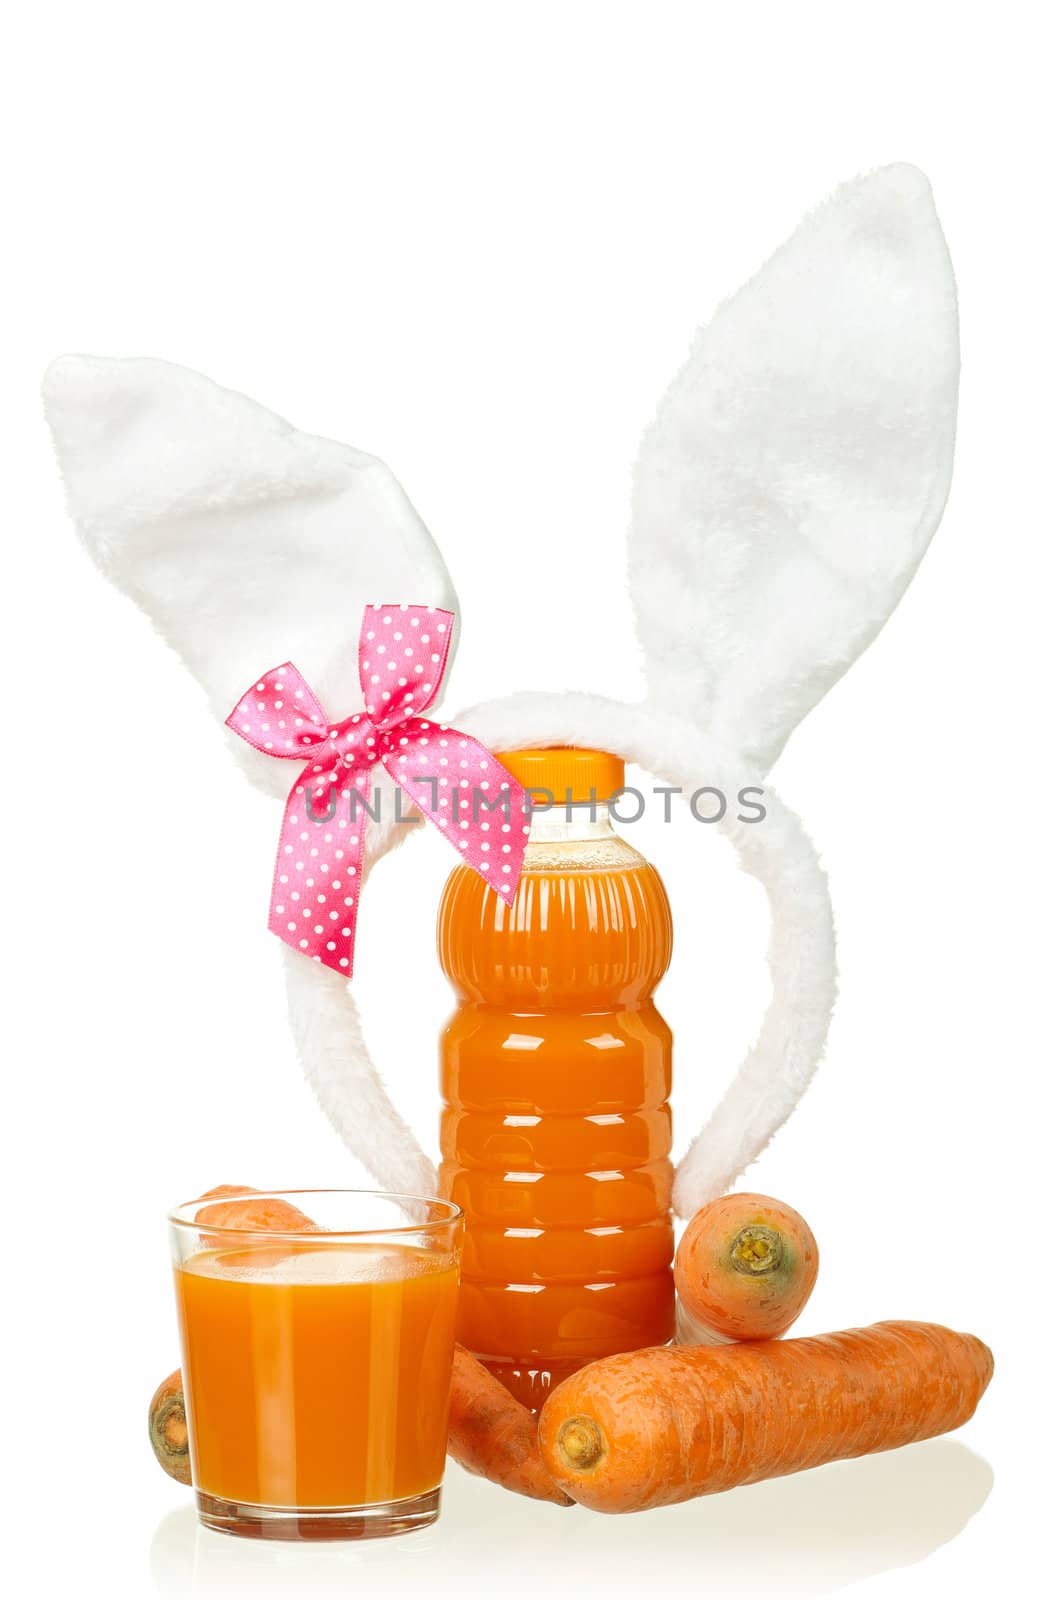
<point>809,1534</point>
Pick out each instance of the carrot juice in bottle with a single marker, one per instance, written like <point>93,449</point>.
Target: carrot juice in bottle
<point>556,1071</point>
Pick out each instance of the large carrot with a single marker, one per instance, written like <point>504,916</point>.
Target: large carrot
<point>491,1434</point>
<point>745,1268</point>
<point>653,1427</point>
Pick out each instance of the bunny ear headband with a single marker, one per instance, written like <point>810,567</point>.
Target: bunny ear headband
<point>783,498</point>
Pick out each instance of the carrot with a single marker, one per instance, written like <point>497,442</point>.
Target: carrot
<point>168,1428</point>
<point>493,1436</point>
<point>744,1269</point>
<point>653,1427</point>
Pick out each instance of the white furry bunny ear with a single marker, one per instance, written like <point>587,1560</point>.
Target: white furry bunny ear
<point>245,541</point>
<point>798,467</point>
<point>783,498</point>
<point>248,542</point>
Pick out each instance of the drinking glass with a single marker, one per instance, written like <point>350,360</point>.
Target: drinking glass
<point>317,1363</point>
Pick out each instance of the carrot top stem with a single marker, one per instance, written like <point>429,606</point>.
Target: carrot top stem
<point>174,1431</point>
<point>168,1428</point>
<point>757,1249</point>
<point>581,1440</point>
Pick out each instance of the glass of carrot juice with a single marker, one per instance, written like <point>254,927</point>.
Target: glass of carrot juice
<point>317,1338</point>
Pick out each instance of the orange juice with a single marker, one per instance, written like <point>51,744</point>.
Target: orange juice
<point>317,1375</point>
<point>556,1071</point>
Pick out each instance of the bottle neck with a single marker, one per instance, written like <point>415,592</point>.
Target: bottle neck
<point>551,824</point>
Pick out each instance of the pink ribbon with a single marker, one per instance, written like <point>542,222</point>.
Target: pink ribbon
<point>401,659</point>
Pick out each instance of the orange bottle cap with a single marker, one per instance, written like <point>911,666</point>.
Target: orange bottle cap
<point>588,774</point>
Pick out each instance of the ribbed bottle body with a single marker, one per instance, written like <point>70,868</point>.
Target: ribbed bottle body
<point>556,1129</point>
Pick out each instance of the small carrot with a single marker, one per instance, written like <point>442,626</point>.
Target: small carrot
<point>168,1428</point>
<point>653,1427</point>
<point>493,1435</point>
<point>745,1268</point>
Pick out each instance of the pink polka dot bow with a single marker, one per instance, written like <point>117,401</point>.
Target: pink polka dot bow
<point>460,786</point>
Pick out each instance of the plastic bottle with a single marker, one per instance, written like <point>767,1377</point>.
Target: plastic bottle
<point>555,1073</point>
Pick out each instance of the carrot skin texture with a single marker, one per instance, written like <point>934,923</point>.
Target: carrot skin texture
<point>655,1427</point>
<point>724,1289</point>
<point>493,1436</point>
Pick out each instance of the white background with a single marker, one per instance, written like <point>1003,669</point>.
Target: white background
<point>475,239</point>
